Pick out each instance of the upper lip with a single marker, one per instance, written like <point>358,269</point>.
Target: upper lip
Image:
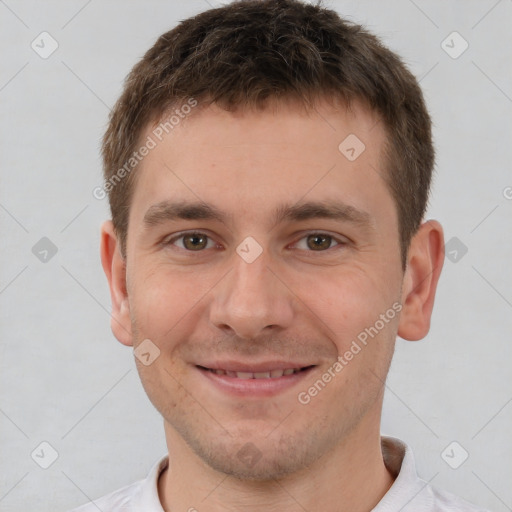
<point>265,366</point>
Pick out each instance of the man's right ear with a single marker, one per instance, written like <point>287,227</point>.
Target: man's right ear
<point>114,267</point>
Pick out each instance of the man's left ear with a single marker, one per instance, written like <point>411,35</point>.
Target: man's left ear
<point>424,263</point>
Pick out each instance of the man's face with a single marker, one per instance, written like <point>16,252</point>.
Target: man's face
<point>220,317</point>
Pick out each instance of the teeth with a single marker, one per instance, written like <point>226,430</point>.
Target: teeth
<point>262,375</point>
<point>273,374</point>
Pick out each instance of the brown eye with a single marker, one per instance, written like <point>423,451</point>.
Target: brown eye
<point>319,242</point>
<point>195,241</point>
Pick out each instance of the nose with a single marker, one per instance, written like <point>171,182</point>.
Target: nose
<point>252,300</point>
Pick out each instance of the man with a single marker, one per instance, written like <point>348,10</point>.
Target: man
<point>268,169</point>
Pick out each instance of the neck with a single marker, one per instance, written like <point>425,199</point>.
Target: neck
<point>351,477</point>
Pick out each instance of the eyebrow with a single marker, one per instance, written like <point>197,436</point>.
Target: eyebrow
<point>184,210</point>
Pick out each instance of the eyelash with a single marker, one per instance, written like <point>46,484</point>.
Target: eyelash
<point>170,241</point>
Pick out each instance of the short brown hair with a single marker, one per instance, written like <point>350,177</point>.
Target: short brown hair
<point>250,51</point>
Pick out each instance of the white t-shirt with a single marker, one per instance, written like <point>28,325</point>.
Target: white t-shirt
<point>407,494</point>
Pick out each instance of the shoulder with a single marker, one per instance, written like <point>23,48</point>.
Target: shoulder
<point>141,495</point>
<point>444,501</point>
<point>117,501</point>
<point>409,493</point>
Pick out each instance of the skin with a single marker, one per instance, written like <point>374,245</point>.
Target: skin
<point>294,302</point>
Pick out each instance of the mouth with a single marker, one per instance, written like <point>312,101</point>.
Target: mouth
<point>267,374</point>
<point>261,381</point>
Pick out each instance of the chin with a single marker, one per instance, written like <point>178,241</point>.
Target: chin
<point>248,462</point>
<point>259,457</point>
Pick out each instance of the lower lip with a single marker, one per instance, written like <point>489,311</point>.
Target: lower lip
<point>255,387</point>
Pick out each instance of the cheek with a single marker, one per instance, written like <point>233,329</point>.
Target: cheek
<point>164,301</point>
<point>348,301</point>
<point>161,381</point>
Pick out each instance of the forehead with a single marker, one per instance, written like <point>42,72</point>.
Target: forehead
<point>251,161</point>
<point>322,124</point>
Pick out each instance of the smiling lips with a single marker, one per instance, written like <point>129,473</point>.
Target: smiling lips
<point>269,374</point>
<point>257,380</point>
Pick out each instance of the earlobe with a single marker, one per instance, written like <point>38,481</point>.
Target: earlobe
<point>114,267</point>
<point>425,262</point>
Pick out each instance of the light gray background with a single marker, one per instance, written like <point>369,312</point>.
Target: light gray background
<point>65,379</point>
